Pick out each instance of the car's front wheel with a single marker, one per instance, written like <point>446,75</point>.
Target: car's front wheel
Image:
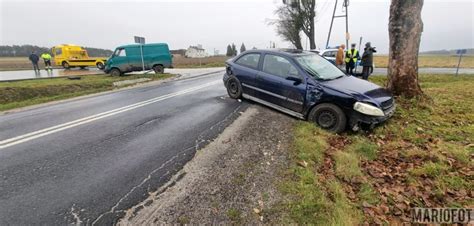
<point>115,72</point>
<point>329,117</point>
<point>234,88</point>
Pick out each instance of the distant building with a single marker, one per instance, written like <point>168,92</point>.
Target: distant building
<point>178,52</point>
<point>196,52</point>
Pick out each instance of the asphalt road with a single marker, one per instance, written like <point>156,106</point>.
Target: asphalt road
<point>87,160</point>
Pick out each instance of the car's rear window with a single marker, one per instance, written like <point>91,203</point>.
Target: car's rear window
<point>250,60</point>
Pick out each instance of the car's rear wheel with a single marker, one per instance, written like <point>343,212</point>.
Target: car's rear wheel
<point>65,65</point>
<point>234,88</point>
<point>115,72</point>
<point>100,65</point>
<point>329,117</point>
<point>159,69</point>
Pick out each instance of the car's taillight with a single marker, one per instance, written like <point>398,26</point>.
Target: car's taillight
<point>228,70</point>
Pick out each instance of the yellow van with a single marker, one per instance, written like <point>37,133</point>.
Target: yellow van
<point>70,56</point>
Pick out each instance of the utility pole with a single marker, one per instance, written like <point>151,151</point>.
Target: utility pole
<point>460,52</point>
<point>348,36</point>
<point>345,5</point>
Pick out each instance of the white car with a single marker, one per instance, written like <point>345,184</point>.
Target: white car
<point>330,54</point>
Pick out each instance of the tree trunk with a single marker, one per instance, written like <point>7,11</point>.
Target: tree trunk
<point>298,44</point>
<point>312,41</point>
<point>405,28</point>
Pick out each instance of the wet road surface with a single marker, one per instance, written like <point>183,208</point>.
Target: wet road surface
<point>88,160</point>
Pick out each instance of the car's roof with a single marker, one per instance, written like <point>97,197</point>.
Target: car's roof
<point>285,52</point>
<point>327,50</point>
<point>137,45</point>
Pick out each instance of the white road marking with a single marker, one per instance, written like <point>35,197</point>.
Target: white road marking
<point>54,129</point>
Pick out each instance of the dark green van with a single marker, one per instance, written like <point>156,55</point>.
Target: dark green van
<point>128,58</point>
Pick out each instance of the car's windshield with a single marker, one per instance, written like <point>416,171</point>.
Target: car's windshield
<point>319,67</point>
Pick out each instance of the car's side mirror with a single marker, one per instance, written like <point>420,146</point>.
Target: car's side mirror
<point>295,79</point>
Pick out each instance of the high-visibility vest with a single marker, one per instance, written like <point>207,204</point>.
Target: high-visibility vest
<point>354,55</point>
<point>46,56</point>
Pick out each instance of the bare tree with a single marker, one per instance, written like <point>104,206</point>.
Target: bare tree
<point>289,25</point>
<point>405,28</point>
<point>306,10</point>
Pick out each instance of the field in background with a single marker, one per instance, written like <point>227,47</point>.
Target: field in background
<point>16,63</point>
<point>436,61</point>
<point>214,61</point>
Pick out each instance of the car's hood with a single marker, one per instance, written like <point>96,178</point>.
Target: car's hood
<point>361,89</point>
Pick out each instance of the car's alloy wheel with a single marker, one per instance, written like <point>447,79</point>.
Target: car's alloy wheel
<point>329,117</point>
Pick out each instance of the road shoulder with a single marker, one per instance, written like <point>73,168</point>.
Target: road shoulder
<point>234,179</point>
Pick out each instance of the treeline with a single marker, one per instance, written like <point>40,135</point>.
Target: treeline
<point>232,49</point>
<point>26,50</point>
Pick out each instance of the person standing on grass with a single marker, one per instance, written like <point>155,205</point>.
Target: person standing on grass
<point>352,56</point>
<point>340,57</point>
<point>47,61</point>
<point>34,60</point>
<point>367,61</point>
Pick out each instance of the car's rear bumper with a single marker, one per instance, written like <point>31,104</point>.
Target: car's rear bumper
<point>225,78</point>
<point>356,119</point>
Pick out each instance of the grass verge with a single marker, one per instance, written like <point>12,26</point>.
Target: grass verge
<point>17,94</point>
<point>422,157</point>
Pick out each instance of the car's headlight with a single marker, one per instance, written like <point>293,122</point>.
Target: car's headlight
<point>368,109</point>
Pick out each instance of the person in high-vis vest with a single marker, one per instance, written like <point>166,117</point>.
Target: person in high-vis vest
<point>352,55</point>
<point>47,61</point>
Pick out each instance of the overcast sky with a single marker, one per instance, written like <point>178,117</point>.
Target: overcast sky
<point>448,24</point>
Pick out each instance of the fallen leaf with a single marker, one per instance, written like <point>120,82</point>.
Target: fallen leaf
<point>257,211</point>
<point>303,164</point>
<point>366,204</point>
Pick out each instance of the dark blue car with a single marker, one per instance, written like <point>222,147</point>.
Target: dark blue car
<point>307,86</point>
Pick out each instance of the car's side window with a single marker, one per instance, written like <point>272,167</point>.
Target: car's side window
<point>330,54</point>
<point>278,66</point>
<point>119,52</point>
<point>249,60</point>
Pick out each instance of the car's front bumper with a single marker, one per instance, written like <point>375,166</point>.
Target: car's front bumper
<point>356,119</point>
